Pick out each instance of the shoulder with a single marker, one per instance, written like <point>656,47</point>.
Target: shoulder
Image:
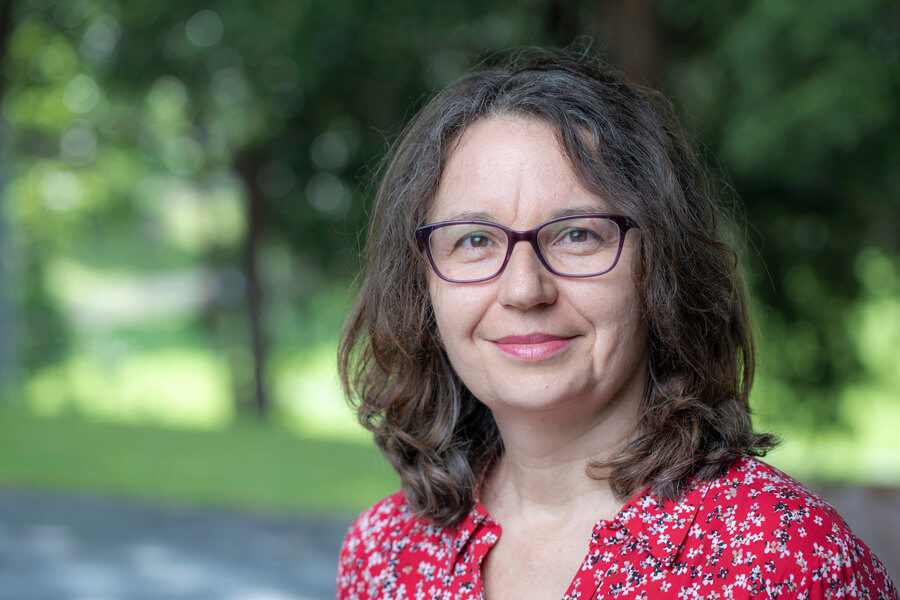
<point>368,561</point>
<point>768,525</point>
<point>382,519</point>
<point>752,486</point>
<point>386,520</point>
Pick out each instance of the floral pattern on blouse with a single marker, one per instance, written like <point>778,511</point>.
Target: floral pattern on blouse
<point>753,533</point>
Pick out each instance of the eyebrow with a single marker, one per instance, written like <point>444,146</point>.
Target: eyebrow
<point>563,212</point>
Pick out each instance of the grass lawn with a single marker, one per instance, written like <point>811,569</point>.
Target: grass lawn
<point>248,465</point>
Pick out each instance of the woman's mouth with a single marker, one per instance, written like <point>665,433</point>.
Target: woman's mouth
<point>534,346</point>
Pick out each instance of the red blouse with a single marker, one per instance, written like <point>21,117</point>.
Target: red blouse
<point>753,533</point>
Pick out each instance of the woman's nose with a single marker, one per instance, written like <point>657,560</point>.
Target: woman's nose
<point>525,282</point>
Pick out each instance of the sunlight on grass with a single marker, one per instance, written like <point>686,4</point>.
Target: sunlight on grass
<point>106,297</point>
<point>175,387</point>
<point>188,388</point>
<point>837,457</point>
<point>864,449</point>
<point>867,447</point>
<point>196,215</point>
<point>139,358</point>
<point>308,393</point>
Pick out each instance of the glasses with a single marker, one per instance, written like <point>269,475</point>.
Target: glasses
<point>576,246</point>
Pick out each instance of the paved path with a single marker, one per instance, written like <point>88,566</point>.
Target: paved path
<point>87,548</point>
<point>83,548</point>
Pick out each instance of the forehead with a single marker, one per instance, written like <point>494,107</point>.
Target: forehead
<point>511,170</point>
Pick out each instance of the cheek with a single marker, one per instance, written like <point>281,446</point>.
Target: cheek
<point>617,318</point>
<point>458,312</point>
<point>630,306</point>
<point>458,308</point>
<point>632,330</point>
<point>449,308</point>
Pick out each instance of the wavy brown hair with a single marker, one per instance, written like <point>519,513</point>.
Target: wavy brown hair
<point>625,148</point>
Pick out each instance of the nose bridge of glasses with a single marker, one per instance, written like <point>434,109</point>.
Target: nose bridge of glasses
<point>531,237</point>
<point>522,236</point>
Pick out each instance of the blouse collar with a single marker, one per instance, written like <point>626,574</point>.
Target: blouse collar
<point>661,526</point>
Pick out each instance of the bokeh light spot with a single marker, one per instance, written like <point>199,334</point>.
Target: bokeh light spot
<point>204,29</point>
<point>100,39</point>
<point>328,194</point>
<point>78,144</point>
<point>229,87</point>
<point>61,191</point>
<point>330,151</point>
<point>81,94</point>
<point>167,99</point>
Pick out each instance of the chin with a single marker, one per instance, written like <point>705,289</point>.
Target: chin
<point>535,394</point>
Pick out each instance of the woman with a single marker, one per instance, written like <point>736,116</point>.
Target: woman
<point>583,392</point>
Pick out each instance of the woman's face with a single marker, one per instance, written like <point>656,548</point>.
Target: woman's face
<point>529,339</point>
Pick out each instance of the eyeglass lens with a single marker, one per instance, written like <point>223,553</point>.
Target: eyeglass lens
<point>578,246</point>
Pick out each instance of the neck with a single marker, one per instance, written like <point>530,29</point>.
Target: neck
<point>544,466</point>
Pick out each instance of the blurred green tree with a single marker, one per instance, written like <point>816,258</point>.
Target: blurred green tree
<point>280,110</point>
<point>801,108</point>
<point>8,334</point>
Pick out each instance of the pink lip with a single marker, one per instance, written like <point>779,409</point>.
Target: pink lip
<point>534,346</point>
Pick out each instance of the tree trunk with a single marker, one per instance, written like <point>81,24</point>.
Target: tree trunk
<point>247,166</point>
<point>630,27</point>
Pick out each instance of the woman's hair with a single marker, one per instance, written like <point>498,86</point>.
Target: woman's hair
<point>624,147</point>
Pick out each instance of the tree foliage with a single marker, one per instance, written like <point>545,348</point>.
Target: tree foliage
<point>263,121</point>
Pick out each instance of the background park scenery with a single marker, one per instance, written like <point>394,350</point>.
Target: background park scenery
<point>183,191</point>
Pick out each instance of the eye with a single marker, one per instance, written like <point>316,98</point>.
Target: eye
<point>577,235</point>
<point>475,239</point>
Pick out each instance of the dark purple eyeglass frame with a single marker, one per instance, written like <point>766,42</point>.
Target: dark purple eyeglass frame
<point>423,235</point>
